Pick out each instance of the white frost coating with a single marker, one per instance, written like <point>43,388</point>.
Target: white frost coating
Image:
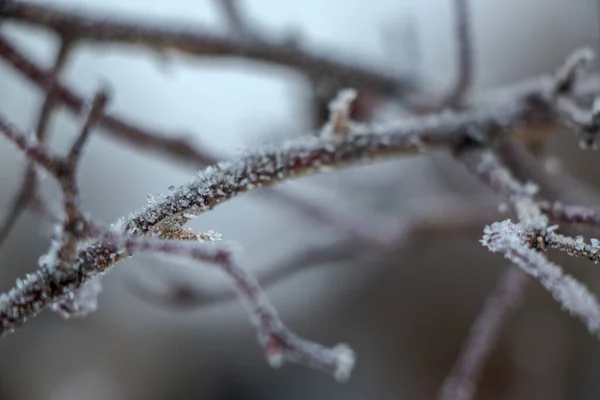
<point>339,113</point>
<point>345,360</point>
<point>210,236</point>
<point>81,301</point>
<point>275,358</point>
<point>505,237</point>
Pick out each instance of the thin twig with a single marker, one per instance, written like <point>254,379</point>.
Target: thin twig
<point>504,237</point>
<point>506,297</point>
<point>570,213</point>
<point>445,215</point>
<point>28,188</point>
<point>465,62</point>
<point>179,150</point>
<point>279,342</point>
<point>233,15</point>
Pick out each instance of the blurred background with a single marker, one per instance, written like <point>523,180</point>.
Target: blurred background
<point>406,312</point>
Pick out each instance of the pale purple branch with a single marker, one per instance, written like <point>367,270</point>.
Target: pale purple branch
<point>465,62</point>
<point>279,342</point>
<point>570,213</point>
<point>499,306</point>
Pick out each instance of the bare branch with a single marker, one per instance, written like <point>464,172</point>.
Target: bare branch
<point>279,342</point>
<point>93,116</point>
<point>29,183</point>
<point>444,215</point>
<point>233,15</point>
<point>570,214</point>
<point>177,149</point>
<point>93,29</point>
<point>185,295</point>
<point>50,100</point>
<point>465,63</point>
<point>506,297</point>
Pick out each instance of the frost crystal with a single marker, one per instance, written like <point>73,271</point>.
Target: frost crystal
<point>81,301</point>
<point>345,360</point>
<point>339,113</point>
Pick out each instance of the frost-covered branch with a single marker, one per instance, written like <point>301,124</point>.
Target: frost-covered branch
<point>279,342</point>
<point>444,215</point>
<point>272,164</point>
<point>81,251</point>
<point>61,281</point>
<point>505,237</point>
<point>570,214</point>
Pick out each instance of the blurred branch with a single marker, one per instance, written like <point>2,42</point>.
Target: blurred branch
<point>443,216</point>
<point>177,149</point>
<point>29,184</point>
<point>464,42</point>
<point>92,29</point>
<point>184,295</point>
<point>235,20</point>
<point>279,342</point>
<point>571,214</point>
<point>506,298</point>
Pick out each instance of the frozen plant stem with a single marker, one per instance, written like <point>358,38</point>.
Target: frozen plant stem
<point>82,250</point>
<point>505,237</point>
<point>279,342</point>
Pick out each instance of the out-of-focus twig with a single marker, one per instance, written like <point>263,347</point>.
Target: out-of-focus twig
<point>235,20</point>
<point>506,297</point>
<point>443,216</point>
<point>93,29</point>
<point>465,62</point>
<point>29,183</point>
<point>178,149</point>
<point>279,342</point>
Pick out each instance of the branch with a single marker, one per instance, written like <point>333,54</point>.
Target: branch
<point>443,216</point>
<point>93,29</point>
<point>506,297</point>
<point>573,296</point>
<point>279,342</point>
<point>177,149</point>
<point>61,273</point>
<point>233,16</point>
<point>28,188</point>
<point>465,62</point>
<point>570,213</point>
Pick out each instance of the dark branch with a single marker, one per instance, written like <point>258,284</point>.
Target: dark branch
<point>93,29</point>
